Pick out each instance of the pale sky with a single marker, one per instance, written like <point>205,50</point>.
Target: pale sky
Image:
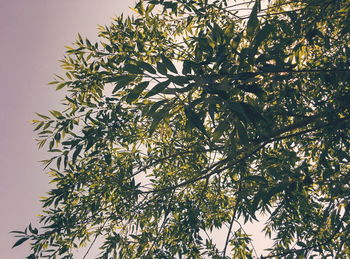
<point>33,34</point>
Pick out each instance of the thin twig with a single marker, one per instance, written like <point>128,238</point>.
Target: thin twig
<point>96,236</point>
<point>211,171</point>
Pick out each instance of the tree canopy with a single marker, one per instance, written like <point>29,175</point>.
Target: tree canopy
<point>196,115</point>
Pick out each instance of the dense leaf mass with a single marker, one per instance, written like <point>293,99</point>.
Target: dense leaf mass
<point>196,115</point>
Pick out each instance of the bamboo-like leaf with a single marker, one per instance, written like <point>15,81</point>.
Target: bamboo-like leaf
<point>136,92</point>
<point>20,241</point>
<point>158,88</point>
<point>149,68</point>
<point>169,64</point>
<point>133,69</point>
<point>242,133</point>
<point>253,21</point>
<point>161,68</point>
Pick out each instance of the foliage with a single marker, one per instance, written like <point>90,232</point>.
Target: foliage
<point>196,115</point>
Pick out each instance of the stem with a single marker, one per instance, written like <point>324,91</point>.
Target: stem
<point>231,225</point>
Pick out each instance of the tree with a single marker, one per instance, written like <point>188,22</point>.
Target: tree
<point>197,115</point>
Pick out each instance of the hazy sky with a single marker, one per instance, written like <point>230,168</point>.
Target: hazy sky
<point>33,34</point>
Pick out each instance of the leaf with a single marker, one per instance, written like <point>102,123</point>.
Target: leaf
<point>273,191</point>
<point>253,21</point>
<point>242,133</point>
<point>302,244</point>
<point>124,81</point>
<point>149,68</point>
<point>155,107</point>
<point>58,163</point>
<point>179,90</point>
<point>76,153</point>
<point>20,241</point>
<point>262,35</point>
<point>187,67</point>
<point>135,93</point>
<point>251,113</point>
<point>133,69</point>
<point>244,76</point>
<point>238,110</point>
<point>235,41</point>
<point>43,116</point>
<point>158,117</point>
<point>60,86</point>
<point>168,64</point>
<point>252,88</point>
<point>220,129</point>
<point>39,126</point>
<point>158,88</point>
<point>194,119</point>
<point>217,33</point>
<point>108,159</point>
<point>212,110</point>
<point>257,178</point>
<point>161,68</point>
<point>17,232</point>
<point>179,80</point>
<point>57,114</point>
<point>119,78</point>
<point>32,230</point>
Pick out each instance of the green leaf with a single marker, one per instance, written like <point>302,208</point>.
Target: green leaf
<point>253,21</point>
<point>235,41</point>
<point>302,244</point>
<point>136,92</point>
<point>220,129</point>
<point>20,241</point>
<point>194,119</point>
<point>238,110</point>
<point>161,68</point>
<point>273,191</point>
<point>40,124</point>
<point>179,90</point>
<point>32,230</point>
<point>212,110</point>
<point>43,116</point>
<point>217,33</point>
<point>168,64</point>
<point>58,162</point>
<point>133,69</point>
<point>76,152</point>
<point>122,81</point>
<point>187,67</point>
<point>57,114</point>
<point>17,232</point>
<point>108,159</point>
<point>242,133</point>
<point>251,113</point>
<point>244,75</point>
<point>60,86</point>
<point>119,78</point>
<point>257,178</point>
<point>158,117</point>
<point>155,107</point>
<point>262,35</point>
<point>252,88</point>
<point>179,80</point>
<point>149,68</point>
<point>158,88</point>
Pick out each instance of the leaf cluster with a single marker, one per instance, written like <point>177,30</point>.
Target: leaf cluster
<point>192,116</point>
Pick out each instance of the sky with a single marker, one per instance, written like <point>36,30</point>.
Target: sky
<point>33,34</point>
<point>32,39</point>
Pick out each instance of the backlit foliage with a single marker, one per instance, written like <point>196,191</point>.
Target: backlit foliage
<point>195,115</point>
